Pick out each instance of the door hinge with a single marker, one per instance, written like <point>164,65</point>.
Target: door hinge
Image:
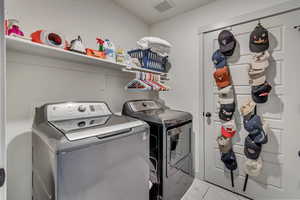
<point>2,177</point>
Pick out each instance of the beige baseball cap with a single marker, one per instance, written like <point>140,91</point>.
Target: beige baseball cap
<point>260,60</point>
<point>225,90</point>
<point>226,96</point>
<point>225,144</point>
<point>253,167</point>
<point>257,78</point>
<point>247,107</point>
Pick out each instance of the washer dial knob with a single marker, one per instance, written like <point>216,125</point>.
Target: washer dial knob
<point>81,108</point>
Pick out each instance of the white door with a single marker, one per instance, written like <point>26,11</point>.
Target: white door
<point>280,177</point>
<point>2,102</point>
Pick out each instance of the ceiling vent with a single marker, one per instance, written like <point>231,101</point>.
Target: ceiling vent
<point>164,5</point>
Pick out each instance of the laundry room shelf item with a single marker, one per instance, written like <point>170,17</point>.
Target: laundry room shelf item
<point>29,47</point>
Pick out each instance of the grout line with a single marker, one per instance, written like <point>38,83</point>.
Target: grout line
<point>205,193</point>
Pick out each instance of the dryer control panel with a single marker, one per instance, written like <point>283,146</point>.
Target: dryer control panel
<point>138,106</point>
<point>75,110</point>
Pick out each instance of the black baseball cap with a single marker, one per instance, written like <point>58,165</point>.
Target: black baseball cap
<point>229,160</point>
<point>226,111</point>
<point>259,39</point>
<point>260,93</point>
<point>227,42</point>
<point>251,149</point>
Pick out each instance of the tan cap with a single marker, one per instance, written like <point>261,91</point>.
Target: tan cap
<point>225,144</point>
<point>225,90</point>
<point>252,72</point>
<point>253,167</point>
<point>226,98</point>
<point>260,60</point>
<point>258,80</point>
<point>248,107</point>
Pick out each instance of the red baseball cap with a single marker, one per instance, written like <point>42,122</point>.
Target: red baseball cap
<point>228,129</point>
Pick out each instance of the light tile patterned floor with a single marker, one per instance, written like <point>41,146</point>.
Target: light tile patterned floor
<point>201,190</point>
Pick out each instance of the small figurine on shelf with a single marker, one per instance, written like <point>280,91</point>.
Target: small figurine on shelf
<point>13,28</point>
<point>77,45</point>
<point>95,53</point>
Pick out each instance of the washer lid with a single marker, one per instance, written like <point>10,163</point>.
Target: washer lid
<point>76,129</point>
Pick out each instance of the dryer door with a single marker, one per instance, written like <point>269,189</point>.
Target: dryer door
<point>178,147</point>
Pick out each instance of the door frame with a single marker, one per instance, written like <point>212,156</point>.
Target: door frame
<point>278,9</point>
<point>2,97</point>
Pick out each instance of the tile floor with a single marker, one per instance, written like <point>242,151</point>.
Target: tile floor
<point>201,190</point>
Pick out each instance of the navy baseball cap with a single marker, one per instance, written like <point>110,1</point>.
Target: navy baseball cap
<point>256,131</point>
<point>253,124</point>
<point>229,160</point>
<point>227,42</point>
<point>259,137</point>
<point>260,93</point>
<point>219,59</point>
<point>252,150</point>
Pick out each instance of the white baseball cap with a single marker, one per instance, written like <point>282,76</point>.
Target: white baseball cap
<point>260,60</point>
<point>253,167</point>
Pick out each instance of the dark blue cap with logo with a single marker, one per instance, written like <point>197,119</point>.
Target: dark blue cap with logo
<point>219,59</point>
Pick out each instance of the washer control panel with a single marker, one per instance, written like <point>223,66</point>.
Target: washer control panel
<point>75,110</point>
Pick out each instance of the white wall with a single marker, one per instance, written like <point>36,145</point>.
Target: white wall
<point>182,32</point>
<point>33,80</point>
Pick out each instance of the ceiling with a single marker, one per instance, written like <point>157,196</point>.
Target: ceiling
<point>145,8</point>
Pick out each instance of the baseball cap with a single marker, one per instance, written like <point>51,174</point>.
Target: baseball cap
<point>228,129</point>
<point>225,90</point>
<point>256,131</point>
<point>222,77</point>
<point>225,144</point>
<point>219,59</point>
<point>259,137</point>
<point>247,107</point>
<point>260,60</point>
<point>227,42</point>
<point>226,98</point>
<point>257,78</point>
<point>260,93</point>
<point>253,167</point>
<point>253,124</point>
<point>251,149</point>
<point>259,39</point>
<point>255,71</point>
<point>226,111</point>
<point>229,160</point>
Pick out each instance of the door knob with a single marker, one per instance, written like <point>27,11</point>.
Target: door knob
<point>208,114</point>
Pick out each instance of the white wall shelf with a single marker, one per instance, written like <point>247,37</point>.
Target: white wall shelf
<point>29,47</point>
